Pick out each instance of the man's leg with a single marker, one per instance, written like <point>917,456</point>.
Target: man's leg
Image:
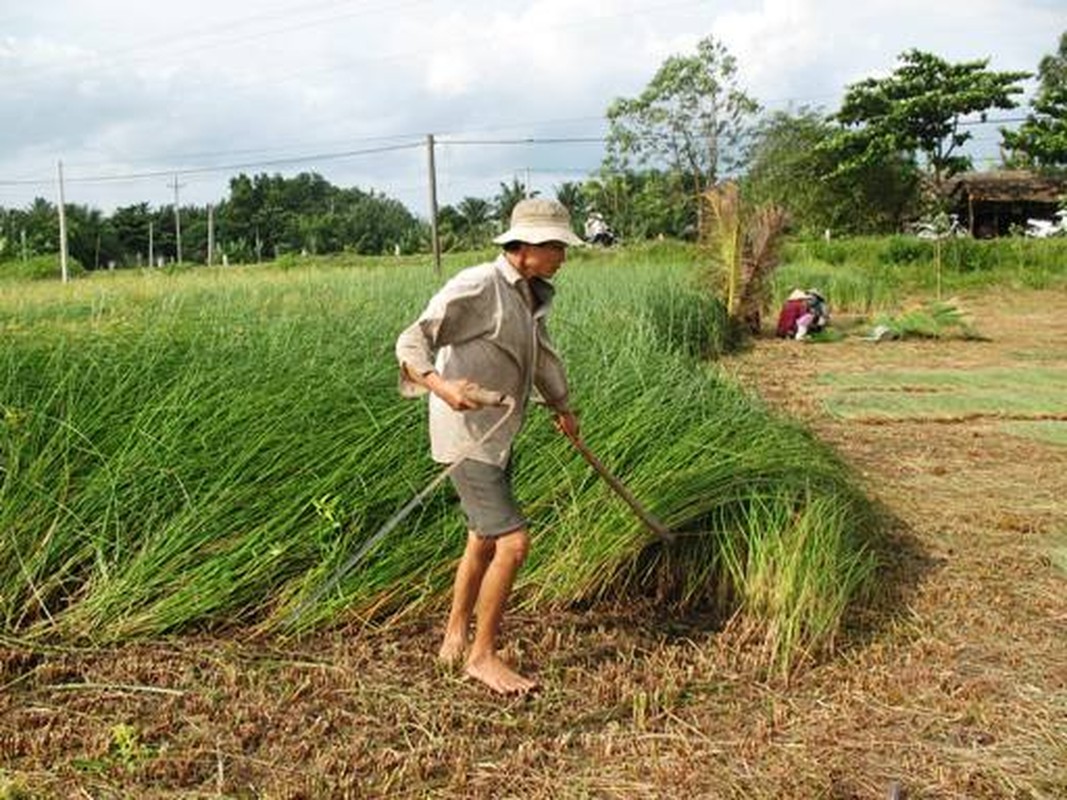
<point>476,558</point>
<point>483,662</point>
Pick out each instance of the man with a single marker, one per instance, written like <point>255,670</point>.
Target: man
<point>486,327</point>
<point>597,230</point>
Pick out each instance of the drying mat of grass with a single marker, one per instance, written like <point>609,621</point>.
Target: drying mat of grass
<point>1051,431</point>
<point>948,394</point>
<point>1058,552</point>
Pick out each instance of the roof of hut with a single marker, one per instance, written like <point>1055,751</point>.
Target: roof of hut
<point>1008,186</point>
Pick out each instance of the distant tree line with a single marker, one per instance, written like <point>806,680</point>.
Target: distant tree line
<point>263,217</point>
<point>870,167</point>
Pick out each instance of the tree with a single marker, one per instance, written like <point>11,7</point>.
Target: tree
<point>268,215</point>
<point>569,193</point>
<point>130,224</point>
<point>1042,139</point>
<point>791,167</point>
<point>41,224</point>
<point>918,109</point>
<point>90,237</point>
<point>690,120</point>
<point>476,221</point>
<point>641,205</point>
<point>450,227</point>
<point>373,223</point>
<point>508,198</point>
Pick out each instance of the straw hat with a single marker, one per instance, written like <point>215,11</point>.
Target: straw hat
<point>798,294</point>
<point>537,220</point>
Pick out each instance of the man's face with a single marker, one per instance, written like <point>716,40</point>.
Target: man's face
<point>541,260</point>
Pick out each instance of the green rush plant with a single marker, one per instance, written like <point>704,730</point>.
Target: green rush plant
<point>202,449</point>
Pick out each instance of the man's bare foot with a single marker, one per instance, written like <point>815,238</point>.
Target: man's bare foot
<point>498,676</point>
<point>451,652</point>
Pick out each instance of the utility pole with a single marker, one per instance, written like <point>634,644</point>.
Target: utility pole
<point>177,219</point>
<point>433,208</point>
<point>62,225</point>
<point>151,244</point>
<point>210,234</point>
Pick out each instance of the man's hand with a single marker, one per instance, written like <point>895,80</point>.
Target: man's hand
<point>454,392</point>
<point>567,423</point>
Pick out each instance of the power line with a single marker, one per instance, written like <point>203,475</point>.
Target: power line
<point>133,176</point>
<point>221,167</point>
<point>39,72</point>
<point>238,24</point>
<point>529,140</point>
<point>258,150</point>
<point>328,156</point>
<point>993,121</point>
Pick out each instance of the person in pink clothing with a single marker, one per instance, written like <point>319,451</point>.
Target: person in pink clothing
<point>803,313</point>
<point>795,316</point>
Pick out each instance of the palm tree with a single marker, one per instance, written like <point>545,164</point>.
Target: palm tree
<point>508,198</point>
<point>570,194</point>
<point>476,216</point>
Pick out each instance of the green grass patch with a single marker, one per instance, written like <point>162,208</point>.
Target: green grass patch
<point>944,394</point>
<point>867,274</point>
<point>931,320</point>
<point>1058,552</point>
<point>1044,355</point>
<point>1049,431</point>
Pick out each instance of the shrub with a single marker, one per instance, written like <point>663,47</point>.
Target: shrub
<point>906,250</point>
<point>39,268</point>
<point>689,321</point>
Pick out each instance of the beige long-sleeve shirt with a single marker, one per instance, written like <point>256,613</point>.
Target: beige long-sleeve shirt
<point>479,326</point>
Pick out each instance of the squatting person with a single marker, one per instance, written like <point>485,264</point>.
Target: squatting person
<point>486,326</point>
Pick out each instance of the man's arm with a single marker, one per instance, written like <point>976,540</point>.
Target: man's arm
<point>550,380</point>
<point>453,314</point>
<point>453,392</point>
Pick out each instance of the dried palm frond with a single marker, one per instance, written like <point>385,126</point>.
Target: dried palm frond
<point>746,245</point>
<point>763,242</point>
<point>724,235</point>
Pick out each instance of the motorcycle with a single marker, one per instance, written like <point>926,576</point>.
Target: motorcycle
<point>1046,228</point>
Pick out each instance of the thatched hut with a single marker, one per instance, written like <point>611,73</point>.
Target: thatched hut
<point>992,203</point>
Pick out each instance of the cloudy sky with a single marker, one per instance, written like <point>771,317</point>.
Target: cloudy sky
<point>136,96</point>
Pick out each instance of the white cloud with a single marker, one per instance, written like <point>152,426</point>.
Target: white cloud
<point>117,85</point>
<point>449,74</point>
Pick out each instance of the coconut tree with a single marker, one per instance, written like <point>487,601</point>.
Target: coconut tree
<point>477,218</point>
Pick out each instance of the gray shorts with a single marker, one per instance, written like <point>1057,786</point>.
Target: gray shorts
<point>486,498</point>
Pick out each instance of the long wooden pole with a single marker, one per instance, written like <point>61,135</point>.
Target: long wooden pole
<point>435,241</point>
<point>62,225</point>
<point>646,517</point>
<point>210,234</point>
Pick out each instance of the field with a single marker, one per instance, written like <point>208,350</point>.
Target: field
<point>952,684</point>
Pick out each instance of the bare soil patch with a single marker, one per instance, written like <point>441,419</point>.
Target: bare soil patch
<point>957,689</point>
